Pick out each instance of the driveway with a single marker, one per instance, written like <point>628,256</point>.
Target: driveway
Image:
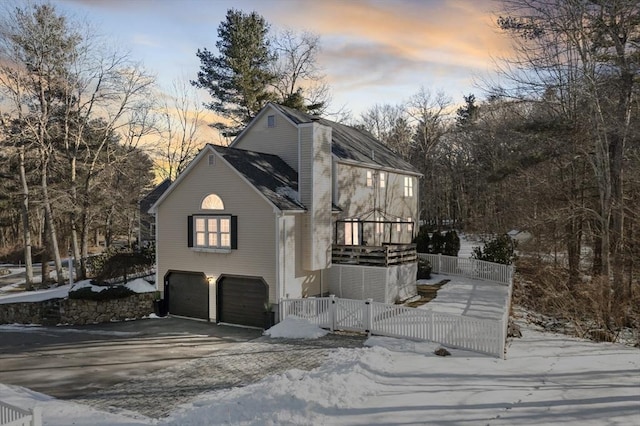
<point>72,361</point>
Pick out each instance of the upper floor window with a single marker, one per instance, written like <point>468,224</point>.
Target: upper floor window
<point>369,178</point>
<point>271,121</point>
<point>383,179</point>
<point>409,224</point>
<point>352,232</point>
<point>212,232</point>
<point>408,186</point>
<point>212,202</point>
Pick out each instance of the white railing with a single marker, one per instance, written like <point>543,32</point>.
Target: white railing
<point>11,415</point>
<point>478,335</point>
<point>471,268</point>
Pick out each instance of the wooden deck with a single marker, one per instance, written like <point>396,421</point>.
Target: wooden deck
<point>386,255</point>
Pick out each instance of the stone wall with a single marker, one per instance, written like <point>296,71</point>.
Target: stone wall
<point>77,311</point>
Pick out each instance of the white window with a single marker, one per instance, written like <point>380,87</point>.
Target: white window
<point>383,178</point>
<point>352,233</point>
<point>369,178</point>
<point>212,231</point>
<point>408,186</point>
<point>212,160</point>
<point>212,202</point>
<point>398,225</point>
<point>271,121</point>
<point>409,224</point>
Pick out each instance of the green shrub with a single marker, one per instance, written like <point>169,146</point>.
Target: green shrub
<point>422,240</point>
<point>499,250</point>
<point>114,264</point>
<point>424,269</point>
<point>109,293</point>
<point>451,245</point>
<point>437,242</point>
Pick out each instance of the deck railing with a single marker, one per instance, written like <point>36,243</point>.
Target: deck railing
<point>471,268</point>
<point>11,415</point>
<point>385,255</point>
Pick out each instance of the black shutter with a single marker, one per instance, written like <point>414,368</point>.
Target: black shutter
<point>189,231</point>
<point>234,232</point>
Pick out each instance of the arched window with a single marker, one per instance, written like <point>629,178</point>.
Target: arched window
<point>212,202</point>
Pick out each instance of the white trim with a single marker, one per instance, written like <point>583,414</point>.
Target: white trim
<point>268,106</point>
<point>210,250</point>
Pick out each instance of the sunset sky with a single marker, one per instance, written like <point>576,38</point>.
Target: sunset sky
<point>373,51</point>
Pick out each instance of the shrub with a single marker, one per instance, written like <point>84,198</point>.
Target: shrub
<point>499,250</point>
<point>109,293</point>
<point>119,264</point>
<point>437,242</point>
<point>422,240</point>
<point>424,269</point>
<point>451,245</point>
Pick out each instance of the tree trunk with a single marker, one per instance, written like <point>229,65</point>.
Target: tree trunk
<point>26,224</point>
<point>48,214</point>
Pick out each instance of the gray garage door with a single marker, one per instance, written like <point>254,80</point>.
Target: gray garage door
<point>188,294</point>
<point>241,300</point>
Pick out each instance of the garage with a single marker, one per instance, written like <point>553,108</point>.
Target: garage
<point>242,300</point>
<point>187,294</point>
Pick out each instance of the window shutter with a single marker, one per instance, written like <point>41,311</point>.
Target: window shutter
<point>189,231</point>
<point>234,232</point>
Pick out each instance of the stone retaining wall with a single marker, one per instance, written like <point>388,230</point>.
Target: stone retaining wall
<point>77,311</point>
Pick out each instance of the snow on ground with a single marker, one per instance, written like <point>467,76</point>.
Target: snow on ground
<point>468,297</point>
<point>294,327</point>
<point>138,286</point>
<point>546,379</point>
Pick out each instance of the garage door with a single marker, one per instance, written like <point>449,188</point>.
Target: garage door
<point>241,300</point>
<point>188,294</point>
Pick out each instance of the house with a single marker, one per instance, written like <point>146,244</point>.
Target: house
<point>296,206</point>
<point>146,221</point>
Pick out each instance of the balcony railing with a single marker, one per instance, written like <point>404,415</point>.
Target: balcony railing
<point>385,255</point>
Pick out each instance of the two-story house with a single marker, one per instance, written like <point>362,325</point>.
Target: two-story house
<point>296,206</point>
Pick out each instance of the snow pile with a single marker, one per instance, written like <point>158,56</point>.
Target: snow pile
<point>296,397</point>
<point>138,286</point>
<point>294,327</point>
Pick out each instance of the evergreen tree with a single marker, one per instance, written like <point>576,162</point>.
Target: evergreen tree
<point>239,77</point>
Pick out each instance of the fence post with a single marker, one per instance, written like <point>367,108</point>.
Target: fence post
<point>36,416</point>
<point>332,312</point>
<point>368,317</point>
<point>439,263</point>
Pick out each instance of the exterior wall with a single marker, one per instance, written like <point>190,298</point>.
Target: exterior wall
<point>296,282</point>
<point>385,285</point>
<point>256,253</point>
<point>359,201</point>
<point>315,193</point>
<point>281,140</point>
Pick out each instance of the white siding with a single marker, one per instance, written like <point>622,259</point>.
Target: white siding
<point>359,201</point>
<point>315,193</point>
<point>255,255</point>
<point>295,280</point>
<point>281,140</point>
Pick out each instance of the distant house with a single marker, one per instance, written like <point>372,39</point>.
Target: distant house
<point>147,223</point>
<point>296,206</point>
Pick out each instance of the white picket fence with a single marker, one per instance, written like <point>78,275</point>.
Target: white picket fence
<point>11,415</point>
<point>478,335</point>
<point>471,268</point>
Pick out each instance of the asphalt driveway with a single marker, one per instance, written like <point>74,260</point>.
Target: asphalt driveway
<point>72,361</point>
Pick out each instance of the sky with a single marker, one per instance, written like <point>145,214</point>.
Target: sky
<point>373,52</point>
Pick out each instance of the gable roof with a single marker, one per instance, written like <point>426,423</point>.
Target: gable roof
<point>148,200</point>
<point>268,173</point>
<point>351,144</point>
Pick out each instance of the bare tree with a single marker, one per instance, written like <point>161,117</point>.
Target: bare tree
<point>181,117</point>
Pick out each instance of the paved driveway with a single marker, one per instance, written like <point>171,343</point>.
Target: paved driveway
<point>72,361</point>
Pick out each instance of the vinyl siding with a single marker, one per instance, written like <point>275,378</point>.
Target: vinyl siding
<point>281,140</point>
<point>296,281</point>
<point>359,201</point>
<point>255,255</point>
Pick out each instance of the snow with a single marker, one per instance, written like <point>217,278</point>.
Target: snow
<point>37,296</point>
<point>546,379</point>
<point>138,286</point>
<point>294,327</point>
